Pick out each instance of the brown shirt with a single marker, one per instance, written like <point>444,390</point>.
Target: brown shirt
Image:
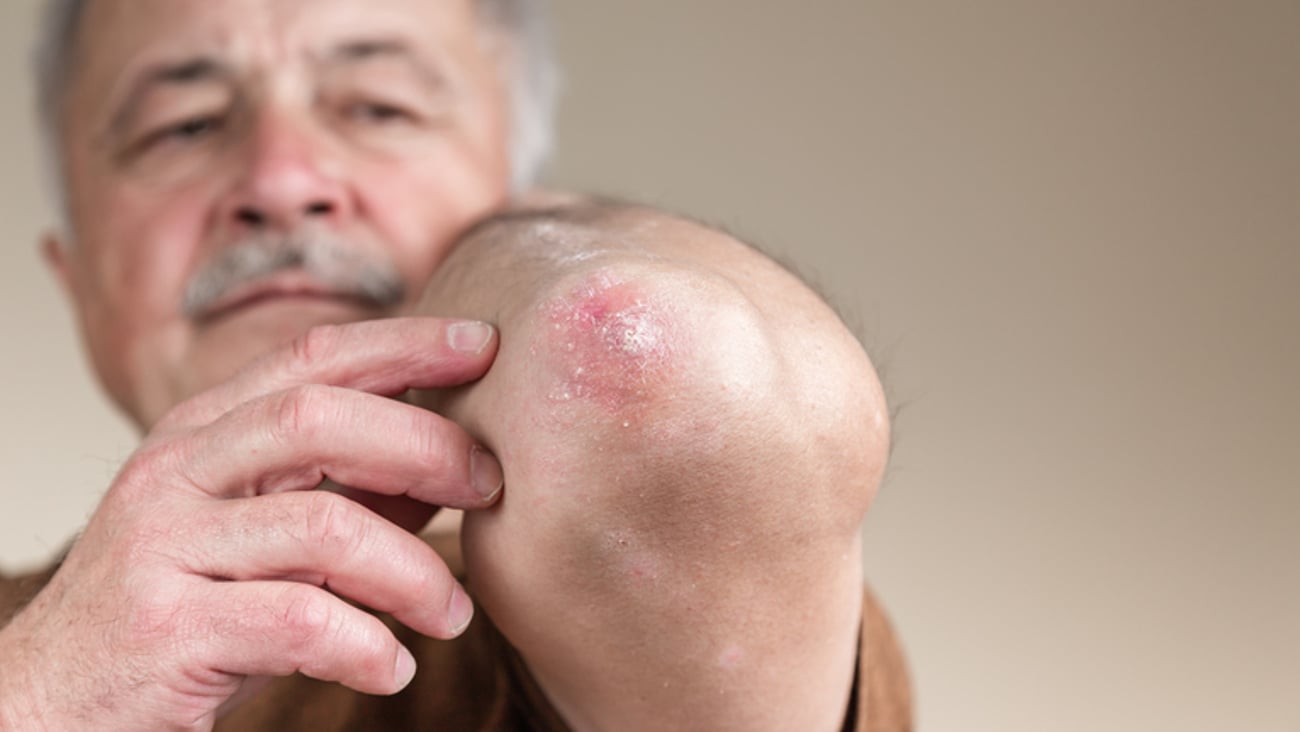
<point>477,683</point>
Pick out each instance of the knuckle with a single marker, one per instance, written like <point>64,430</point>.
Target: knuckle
<point>153,464</point>
<point>134,523</point>
<point>173,418</point>
<point>427,441</point>
<point>153,618</point>
<point>305,617</point>
<point>315,344</point>
<point>378,663</point>
<point>145,545</point>
<point>332,526</point>
<point>186,414</point>
<point>298,411</point>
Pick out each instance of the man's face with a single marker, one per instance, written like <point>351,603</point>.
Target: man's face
<point>240,170</point>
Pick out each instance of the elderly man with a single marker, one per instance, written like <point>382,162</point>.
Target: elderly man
<point>300,259</point>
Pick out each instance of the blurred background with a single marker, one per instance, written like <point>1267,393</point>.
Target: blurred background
<point>1069,234</point>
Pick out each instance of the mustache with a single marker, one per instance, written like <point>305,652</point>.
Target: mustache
<point>328,259</point>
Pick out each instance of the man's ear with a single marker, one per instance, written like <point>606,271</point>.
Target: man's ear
<point>55,251</point>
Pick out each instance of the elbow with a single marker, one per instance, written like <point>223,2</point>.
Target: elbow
<point>670,390</point>
<point>690,441</point>
<point>638,351</point>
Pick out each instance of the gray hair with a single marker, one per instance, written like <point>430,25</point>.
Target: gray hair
<point>530,68</point>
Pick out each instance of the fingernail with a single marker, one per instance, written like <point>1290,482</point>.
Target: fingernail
<point>485,473</point>
<point>460,610</point>
<point>469,336</point>
<point>404,671</point>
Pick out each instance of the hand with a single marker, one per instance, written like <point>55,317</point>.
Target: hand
<point>211,559</point>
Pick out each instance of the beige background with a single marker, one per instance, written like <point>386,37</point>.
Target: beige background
<point>1070,232</point>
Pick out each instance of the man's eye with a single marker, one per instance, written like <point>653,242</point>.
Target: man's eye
<point>187,130</point>
<point>375,112</point>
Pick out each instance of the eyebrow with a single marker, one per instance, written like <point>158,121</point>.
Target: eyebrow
<point>204,69</point>
<point>187,71</point>
<point>356,51</point>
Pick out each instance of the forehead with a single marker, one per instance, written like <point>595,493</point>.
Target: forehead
<point>117,38</point>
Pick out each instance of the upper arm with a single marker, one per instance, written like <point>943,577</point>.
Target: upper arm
<point>690,440</point>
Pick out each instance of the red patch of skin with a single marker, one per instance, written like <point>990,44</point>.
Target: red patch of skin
<point>610,340</point>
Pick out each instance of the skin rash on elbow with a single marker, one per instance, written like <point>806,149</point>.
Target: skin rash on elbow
<point>612,342</point>
<point>643,351</point>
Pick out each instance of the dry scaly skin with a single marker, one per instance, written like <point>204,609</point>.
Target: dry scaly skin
<point>614,341</point>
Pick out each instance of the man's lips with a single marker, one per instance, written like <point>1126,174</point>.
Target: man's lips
<point>281,287</point>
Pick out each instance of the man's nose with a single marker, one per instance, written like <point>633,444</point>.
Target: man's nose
<point>287,176</point>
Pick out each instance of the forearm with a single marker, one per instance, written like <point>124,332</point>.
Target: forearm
<point>690,441</point>
<point>20,705</point>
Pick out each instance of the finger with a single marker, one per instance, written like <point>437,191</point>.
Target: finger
<point>282,628</point>
<point>294,439</point>
<point>327,540</point>
<point>383,357</point>
<point>406,512</point>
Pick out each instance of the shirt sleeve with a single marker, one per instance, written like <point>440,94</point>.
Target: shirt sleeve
<point>882,697</point>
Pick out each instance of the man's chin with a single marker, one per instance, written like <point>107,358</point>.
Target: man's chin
<point>224,344</point>
<point>288,311</point>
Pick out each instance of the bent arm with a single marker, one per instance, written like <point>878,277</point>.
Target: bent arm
<point>690,440</point>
